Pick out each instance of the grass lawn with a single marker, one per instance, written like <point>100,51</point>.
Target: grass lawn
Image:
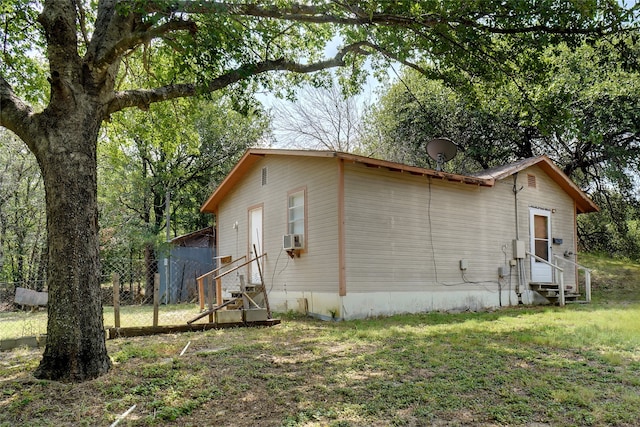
<point>540,366</point>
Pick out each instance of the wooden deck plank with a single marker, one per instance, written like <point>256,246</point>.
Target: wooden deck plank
<point>170,329</point>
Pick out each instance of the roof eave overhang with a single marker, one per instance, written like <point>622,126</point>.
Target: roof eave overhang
<point>244,164</point>
<point>414,170</point>
<point>252,155</point>
<point>584,204</point>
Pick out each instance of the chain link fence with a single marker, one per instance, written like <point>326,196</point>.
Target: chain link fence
<point>127,289</point>
<point>17,321</point>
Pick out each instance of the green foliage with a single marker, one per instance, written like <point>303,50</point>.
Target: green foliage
<point>184,147</point>
<point>22,215</point>
<point>22,50</point>
<point>199,42</point>
<point>579,110</point>
<point>615,230</point>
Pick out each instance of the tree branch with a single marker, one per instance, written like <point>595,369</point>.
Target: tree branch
<point>15,114</point>
<point>138,38</point>
<point>324,14</point>
<point>142,98</point>
<point>390,55</point>
<point>532,29</point>
<point>58,19</point>
<point>344,13</point>
<point>82,20</point>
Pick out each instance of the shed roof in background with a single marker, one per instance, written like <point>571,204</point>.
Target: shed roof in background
<point>198,238</point>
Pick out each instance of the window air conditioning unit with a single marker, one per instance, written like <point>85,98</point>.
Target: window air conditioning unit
<point>291,242</point>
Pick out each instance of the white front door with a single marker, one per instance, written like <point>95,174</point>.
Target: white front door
<point>255,240</point>
<point>540,232</point>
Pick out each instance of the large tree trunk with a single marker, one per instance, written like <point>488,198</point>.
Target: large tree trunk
<point>76,348</point>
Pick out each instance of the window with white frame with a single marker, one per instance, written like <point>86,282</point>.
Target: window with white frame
<point>296,218</point>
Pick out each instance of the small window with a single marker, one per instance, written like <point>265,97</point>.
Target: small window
<point>296,211</point>
<point>264,176</point>
<point>531,181</point>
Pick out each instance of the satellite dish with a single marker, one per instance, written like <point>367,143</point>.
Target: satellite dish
<point>441,150</point>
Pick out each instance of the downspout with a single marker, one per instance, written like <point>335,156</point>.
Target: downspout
<point>515,199</point>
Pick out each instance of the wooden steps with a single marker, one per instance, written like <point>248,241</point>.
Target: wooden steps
<point>249,304</point>
<point>246,298</point>
<point>551,291</point>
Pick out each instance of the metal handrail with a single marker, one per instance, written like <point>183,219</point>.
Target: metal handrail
<point>587,276</point>
<point>571,262</point>
<point>545,261</point>
<point>559,269</point>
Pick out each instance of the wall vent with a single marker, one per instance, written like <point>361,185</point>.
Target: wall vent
<point>264,176</point>
<point>531,181</point>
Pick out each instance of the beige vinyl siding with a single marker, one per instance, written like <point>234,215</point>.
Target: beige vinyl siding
<point>401,231</point>
<point>317,267</point>
<point>392,245</point>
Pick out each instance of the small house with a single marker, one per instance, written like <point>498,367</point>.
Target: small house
<point>347,236</point>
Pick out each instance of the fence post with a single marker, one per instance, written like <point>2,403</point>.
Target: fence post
<point>156,297</point>
<point>116,299</point>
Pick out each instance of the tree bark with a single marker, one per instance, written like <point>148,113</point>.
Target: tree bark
<point>76,348</point>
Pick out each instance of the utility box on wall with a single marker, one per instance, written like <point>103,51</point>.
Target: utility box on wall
<point>519,251</point>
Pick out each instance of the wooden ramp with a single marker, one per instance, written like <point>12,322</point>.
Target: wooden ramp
<point>171,329</point>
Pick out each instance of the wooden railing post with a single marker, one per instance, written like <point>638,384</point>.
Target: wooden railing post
<point>200,281</point>
<point>218,290</point>
<point>587,277</point>
<point>561,288</point>
<point>115,277</point>
<point>210,298</point>
<point>156,297</point>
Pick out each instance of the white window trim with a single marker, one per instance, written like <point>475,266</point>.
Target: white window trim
<point>291,193</point>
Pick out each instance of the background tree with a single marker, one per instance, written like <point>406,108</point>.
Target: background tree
<point>580,109</point>
<point>211,46</point>
<point>22,221</point>
<point>183,147</point>
<point>615,230</point>
<point>323,118</point>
